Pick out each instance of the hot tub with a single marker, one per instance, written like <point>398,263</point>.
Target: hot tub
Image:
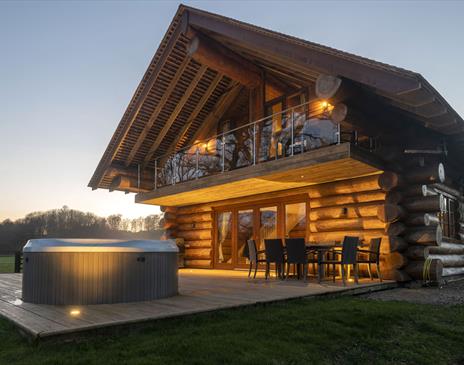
<point>89,271</point>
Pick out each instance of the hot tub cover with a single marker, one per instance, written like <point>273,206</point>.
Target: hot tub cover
<point>98,245</point>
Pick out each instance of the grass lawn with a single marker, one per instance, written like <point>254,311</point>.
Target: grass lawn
<point>325,331</point>
<point>6,264</point>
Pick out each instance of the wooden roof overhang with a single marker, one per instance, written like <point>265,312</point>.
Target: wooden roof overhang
<point>337,162</point>
<point>177,94</point>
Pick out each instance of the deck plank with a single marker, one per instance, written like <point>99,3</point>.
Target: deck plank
<point>199,291</point>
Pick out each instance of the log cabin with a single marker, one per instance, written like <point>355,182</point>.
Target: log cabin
<point>240,132</point>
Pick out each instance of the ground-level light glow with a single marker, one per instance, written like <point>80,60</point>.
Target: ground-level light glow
<point>74,312</point>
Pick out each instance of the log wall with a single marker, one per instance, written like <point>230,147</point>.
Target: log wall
<point>404,209</point>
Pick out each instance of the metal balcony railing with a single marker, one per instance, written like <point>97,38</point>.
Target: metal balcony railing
<point>281,135</point>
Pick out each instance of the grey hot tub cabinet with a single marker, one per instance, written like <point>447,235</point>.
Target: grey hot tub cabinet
<point>71,272</point>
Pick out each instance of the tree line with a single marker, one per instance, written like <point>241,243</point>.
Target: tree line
<point>71,223</point>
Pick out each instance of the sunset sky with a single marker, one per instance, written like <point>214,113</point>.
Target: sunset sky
<point>69,69</point>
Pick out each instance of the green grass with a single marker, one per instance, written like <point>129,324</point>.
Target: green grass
<point>326,331</point>
<point>6,264</point>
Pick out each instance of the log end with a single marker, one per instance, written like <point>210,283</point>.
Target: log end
<point>388,180</point>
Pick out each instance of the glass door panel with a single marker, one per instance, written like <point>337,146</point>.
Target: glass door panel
<point>244,233</point>
<point>295,220</point>
<point>224,238</point>
<point>267,225</point>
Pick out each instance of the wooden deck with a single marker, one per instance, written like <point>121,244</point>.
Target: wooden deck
<point>199,291</point>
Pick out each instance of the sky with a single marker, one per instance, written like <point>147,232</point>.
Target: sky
<point>69,69</point>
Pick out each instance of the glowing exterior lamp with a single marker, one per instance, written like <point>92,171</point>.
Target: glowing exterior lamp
<point>74,312</point>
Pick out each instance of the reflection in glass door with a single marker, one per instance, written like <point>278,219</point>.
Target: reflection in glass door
<point>295,220</point>
<point>244,233</point>
<point>224,238</point>
<point>267,224</point>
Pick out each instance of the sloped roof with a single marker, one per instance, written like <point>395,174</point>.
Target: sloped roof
<point>161,95</point>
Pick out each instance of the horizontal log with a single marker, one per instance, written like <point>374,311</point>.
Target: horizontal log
<point>397,244</point>
<point>390,213</point>
<point>395,229</point>
<point>394,260</point>
<point>198,243</point>
<point>203,234</point>
<point>396,275</point>
<point>171,232</point>
<point>198,253</point>
<point>449,260</point>
<point>425,270</point>
<point>165,209</point>
<point>365,235</point>
<point>447,248</point>
<point>385,181</point>
<point>167,223</point>
<point>168,236</point>
<point>431,219</point>
<point>197,263</point>
<point>194,225</point>
<point>389,180</point>
<point>412,190</point>
<point>429,236</point>
<point>439,187</point>
<point>424,204</point>
<point>451,271</point>
<point>434,173</point>
<point>348,211</point>
<point>418,252</point>
<point>191,218</point>
<point>327,86</point>
<point>129,184</point>
<point>346,223</point>
<point>343,199</point>
<point>193,209</point>
<point>393,197</point>
<point>169,215</point>
<point>213,54</point>
<point>416,219</point>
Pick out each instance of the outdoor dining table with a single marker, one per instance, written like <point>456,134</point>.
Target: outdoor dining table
<point>321,249</point>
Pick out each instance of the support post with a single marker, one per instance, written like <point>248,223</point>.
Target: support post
<point>254,143</point>
<point>223,152</point>
<point>156,174</point>
<point>197,162</point>
<point>292,130</point>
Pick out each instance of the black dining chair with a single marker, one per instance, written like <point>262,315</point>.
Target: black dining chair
<point>347,256</point>
<point>254,256</point>
<point>371,256</point>
<point>274,250</point>
<point>299,255</point>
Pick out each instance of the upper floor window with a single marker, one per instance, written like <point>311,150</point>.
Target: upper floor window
<point>450,217</point>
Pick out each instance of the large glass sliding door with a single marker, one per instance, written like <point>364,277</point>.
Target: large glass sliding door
<point>235,225</point>
<point>224,241</point>
<point>295,220</point>
<point>267,225</point>
<point>245,231</point>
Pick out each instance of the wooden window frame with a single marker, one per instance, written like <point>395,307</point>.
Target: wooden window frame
<point>279,202</point>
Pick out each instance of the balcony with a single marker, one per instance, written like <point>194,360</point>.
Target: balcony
<point>297,147</point>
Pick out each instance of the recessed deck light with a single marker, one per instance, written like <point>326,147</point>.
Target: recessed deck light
<point>74,312</point>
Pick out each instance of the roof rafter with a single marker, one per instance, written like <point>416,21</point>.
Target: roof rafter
<point>175,113</point>
<point>196,111</point>
<point>221,107</point>
<point>157,110</point>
